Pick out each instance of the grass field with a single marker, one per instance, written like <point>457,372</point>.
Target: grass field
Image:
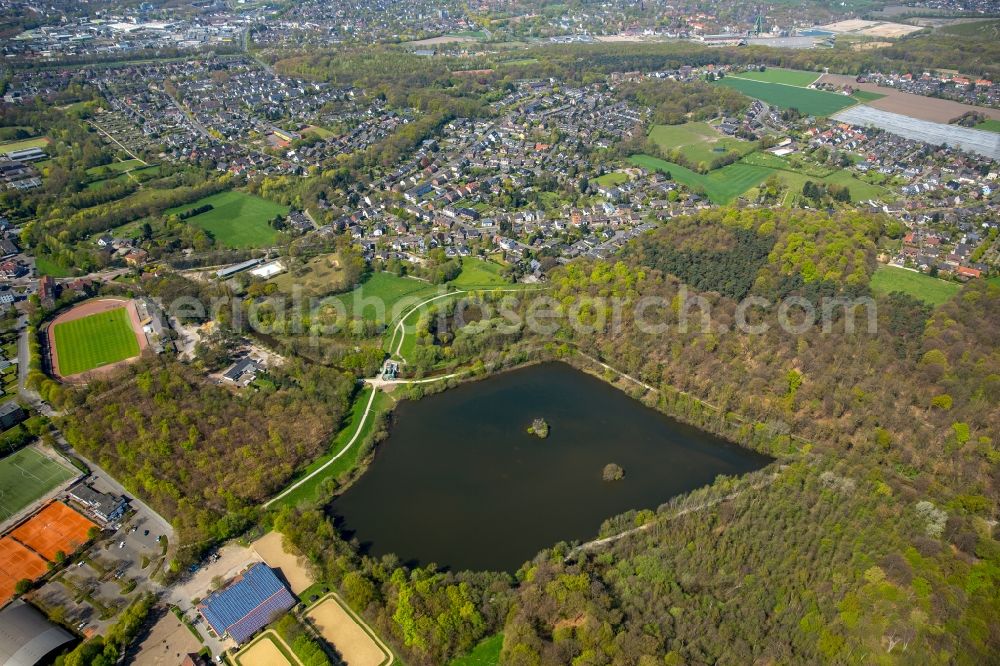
<point>26,476</point>
<point>121,177</point>
<point>725,184</point>
<point>114,167</point>
<point>698,142</point>
<point>479,273</point>
<point>790,77</point>
<point>989,29</point>
<point>23,144</point>
<point>611,179</point>
<point>989,125</point>
<point>90,342</point>
<point>237,219</point>
<point>931,290</point>
<point>866,96</point>
<point>807,101</point>
<point>321,132</point>
<point>375,299</point>
<point>720,186</point>
<point>46,266</point>
<point>486,653</point>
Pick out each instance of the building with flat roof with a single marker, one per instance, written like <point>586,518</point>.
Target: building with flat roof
<point>247,604</point>
<point>11,414</point>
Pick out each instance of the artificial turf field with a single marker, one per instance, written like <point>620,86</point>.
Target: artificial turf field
<point>237,219</point>
<point>98,339</point>
<point>25,476</point>
<point>808,101</point>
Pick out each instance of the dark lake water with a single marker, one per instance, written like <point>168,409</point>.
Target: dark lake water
<point>460,482</point>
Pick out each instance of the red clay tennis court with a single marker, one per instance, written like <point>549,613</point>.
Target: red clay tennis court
<point>17,563</point>
<point>55,528</point>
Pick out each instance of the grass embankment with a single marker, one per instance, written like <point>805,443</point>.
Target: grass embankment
<point>348,460</point>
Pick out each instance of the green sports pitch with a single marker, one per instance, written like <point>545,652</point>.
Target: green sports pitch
<point>95,340</point>
<point>27,475</point>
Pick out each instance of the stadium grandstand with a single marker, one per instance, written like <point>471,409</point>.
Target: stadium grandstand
<point>247,604</point>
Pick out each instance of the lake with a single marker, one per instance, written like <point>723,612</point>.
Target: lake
<point>461,483</point>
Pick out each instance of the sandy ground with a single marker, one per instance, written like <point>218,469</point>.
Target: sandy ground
<point>434,41</point>
<point>293,569</point>
<point>168,642</point>
<point>342,631</point>
<point>85,310</point>
<point>232,560</point>
<point>916,106</point>
<point>264,652</point>
<point>871,28</point>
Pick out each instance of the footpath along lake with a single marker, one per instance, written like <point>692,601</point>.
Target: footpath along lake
<point>460,482</point>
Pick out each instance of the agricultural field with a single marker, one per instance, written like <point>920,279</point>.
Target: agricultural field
<point>989,125</point>
<point>930,290</point>
<point>806,100</point>
<point>23,144</point>
<point>237,219</point>
<point>789,77</point>
<point>378,296</point>
<point>480,273</point>
<point>27,475</point>
<point>94,341</point>
<point>697,142</point>
<point>866,95</point>
<point>486,653</point>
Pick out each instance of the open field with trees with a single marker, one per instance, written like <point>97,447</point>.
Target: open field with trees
<point>697,143</point>
<point>236,219</point>
<point>930,290</point>
<point>806,100</point>
<point>382,289</point>
<point>480,273</point>
<point>720,186</point>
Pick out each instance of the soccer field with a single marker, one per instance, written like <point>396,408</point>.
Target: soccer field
<point>90,342</point>
<point>806,100</point>
<point>237,219</point>
<point>25,476</point>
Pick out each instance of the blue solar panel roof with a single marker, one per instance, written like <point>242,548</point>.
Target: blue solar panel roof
<point>250,603</point>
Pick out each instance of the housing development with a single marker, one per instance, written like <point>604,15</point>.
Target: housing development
<point>504,332</point>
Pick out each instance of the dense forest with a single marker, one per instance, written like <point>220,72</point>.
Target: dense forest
<point>868,540</point>
<point>202,455</point>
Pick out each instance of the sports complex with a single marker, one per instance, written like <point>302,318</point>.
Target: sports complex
<point>96,335</point>
<point>48,536</point>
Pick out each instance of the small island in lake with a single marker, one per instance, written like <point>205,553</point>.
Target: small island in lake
<point>612,472</point>
<point>539,428</point>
